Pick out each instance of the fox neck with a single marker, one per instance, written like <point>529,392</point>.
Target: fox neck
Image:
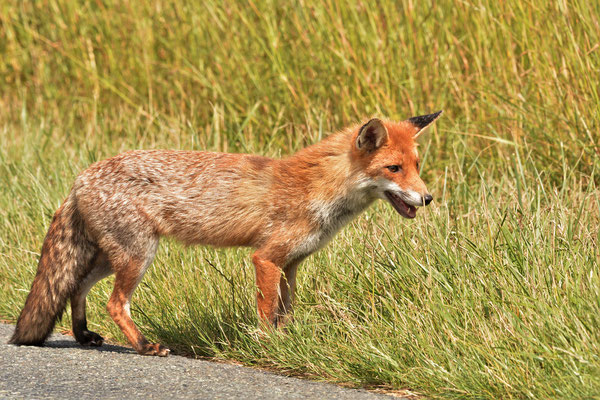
<point>334,189</point>
<point>332,214</point>
<point>337,188</point>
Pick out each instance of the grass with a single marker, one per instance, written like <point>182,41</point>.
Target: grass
<point>492,292</point>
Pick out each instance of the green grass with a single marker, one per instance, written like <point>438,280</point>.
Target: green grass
<point>491,292</point>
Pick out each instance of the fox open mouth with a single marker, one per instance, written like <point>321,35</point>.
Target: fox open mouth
<point>406,210</point>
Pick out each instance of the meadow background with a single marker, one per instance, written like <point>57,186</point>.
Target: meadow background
<point>491,292</point>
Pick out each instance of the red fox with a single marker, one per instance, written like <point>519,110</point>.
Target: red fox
<point>286,208</point>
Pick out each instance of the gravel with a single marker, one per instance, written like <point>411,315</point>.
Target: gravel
<point>63,369</point>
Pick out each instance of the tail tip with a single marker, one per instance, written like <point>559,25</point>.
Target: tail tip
<point>17,340</point>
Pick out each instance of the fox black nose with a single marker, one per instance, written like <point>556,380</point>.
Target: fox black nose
<point>428,199</point>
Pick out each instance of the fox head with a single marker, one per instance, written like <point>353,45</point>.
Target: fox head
<point>389,157</point>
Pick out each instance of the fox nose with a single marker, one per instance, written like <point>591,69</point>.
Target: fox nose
<point>428,199</point>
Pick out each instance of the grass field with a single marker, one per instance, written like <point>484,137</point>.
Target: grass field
<point>491,292</point>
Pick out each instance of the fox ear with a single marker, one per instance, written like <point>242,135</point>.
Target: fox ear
<point>423,121</point>
<point>371,135</point>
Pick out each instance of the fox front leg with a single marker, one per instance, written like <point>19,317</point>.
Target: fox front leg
<point>287,290</point>
<point>276,286</point>
<point>268,277</point>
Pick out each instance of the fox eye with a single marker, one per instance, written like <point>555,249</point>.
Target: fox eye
<point>418,165</point>
<point>394,168</point>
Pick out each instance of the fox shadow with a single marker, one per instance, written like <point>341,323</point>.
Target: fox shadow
<point>59,341</point>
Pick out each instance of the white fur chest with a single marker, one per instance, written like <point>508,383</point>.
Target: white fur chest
<point>330,218</point>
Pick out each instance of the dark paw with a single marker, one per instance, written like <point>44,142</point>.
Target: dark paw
<point>89,338</point>
<point>154,349</point>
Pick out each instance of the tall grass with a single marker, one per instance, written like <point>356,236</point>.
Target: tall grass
<point>492,292</point>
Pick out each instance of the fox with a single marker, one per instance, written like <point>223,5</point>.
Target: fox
<point>286,209</point>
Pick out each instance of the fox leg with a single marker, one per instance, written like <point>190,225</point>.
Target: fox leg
<point>268,276</point>
<point>100,269</point>
<point>128,274</point>
<point>287,290</point>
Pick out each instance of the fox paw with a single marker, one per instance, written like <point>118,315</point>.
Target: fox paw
<point>89,338</point>
<point>154,349</point>
<point>281,321</point>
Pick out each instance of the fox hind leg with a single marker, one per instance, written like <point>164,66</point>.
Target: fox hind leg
<point>129,271</point>
<point>100,270</point>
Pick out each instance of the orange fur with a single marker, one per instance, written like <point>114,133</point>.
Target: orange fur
<point>286,209</point>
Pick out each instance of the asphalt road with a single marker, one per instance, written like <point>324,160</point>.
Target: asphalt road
<point>63,369</point>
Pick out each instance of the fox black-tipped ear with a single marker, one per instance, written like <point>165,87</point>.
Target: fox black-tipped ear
<point>371,135</point>
<point>423,121</point>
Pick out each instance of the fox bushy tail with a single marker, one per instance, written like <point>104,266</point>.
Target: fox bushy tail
<point>65,259</point>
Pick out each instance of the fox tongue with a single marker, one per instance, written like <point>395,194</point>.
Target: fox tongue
<point>406,210</point>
